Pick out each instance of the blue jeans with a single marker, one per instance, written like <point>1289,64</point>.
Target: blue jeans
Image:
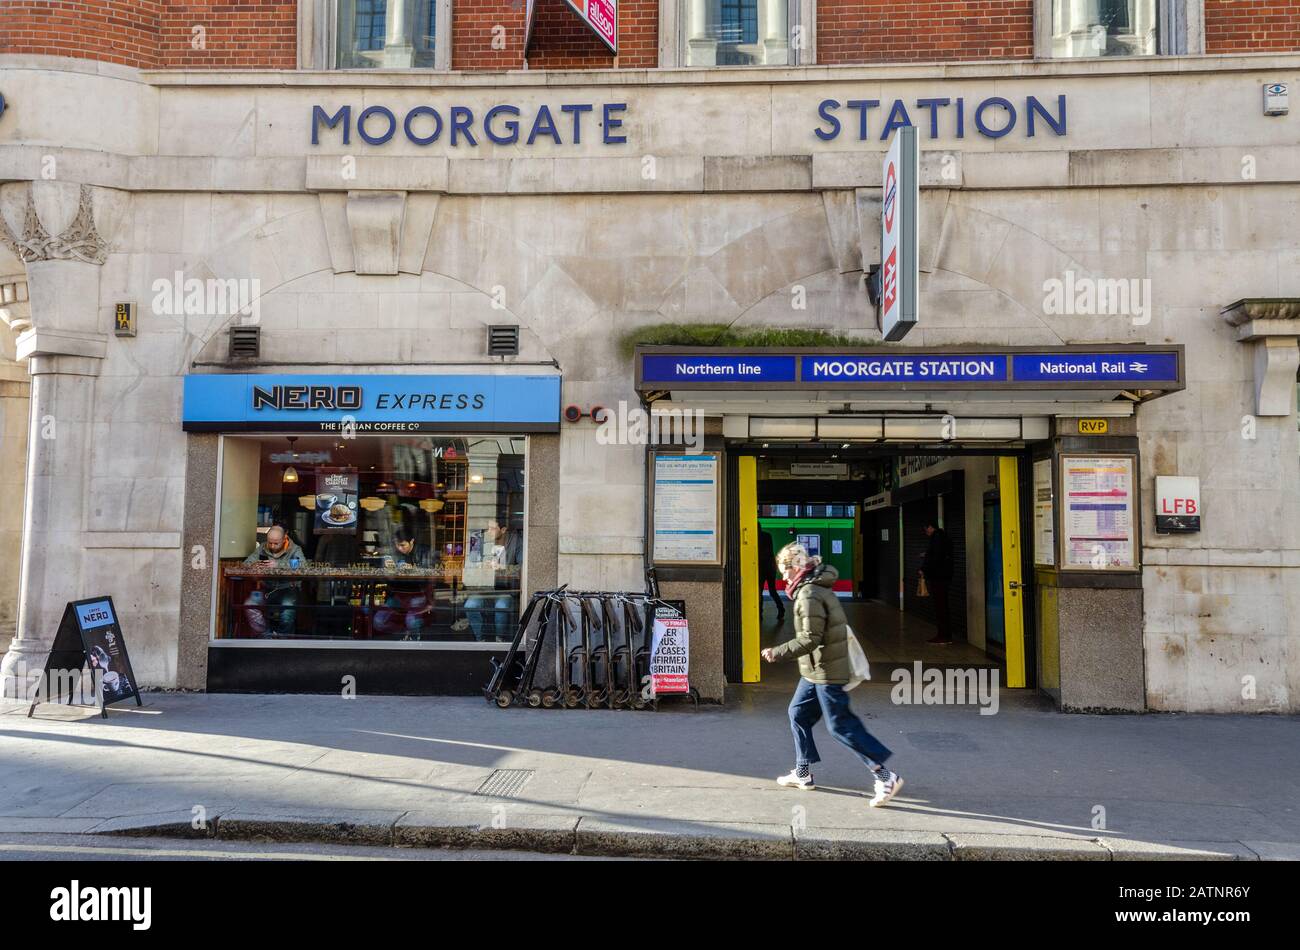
<point>491,623</point>
<point>809,704</point>
<point>272,611</point>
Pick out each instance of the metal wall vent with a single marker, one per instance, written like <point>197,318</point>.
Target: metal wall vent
<point>245,343</point>
<point>503,340</point>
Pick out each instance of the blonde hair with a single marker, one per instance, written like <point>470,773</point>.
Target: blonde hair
<point>795,555</point>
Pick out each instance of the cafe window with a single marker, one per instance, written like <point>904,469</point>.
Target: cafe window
<point>391,34</point>
<point>370,538</point>
<point>1092,28</point>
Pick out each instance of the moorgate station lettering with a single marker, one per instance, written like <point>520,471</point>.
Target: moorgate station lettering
<point>566,123</point>
<point>992,117</point>
<point>502,124</point>
<point>991,368</point>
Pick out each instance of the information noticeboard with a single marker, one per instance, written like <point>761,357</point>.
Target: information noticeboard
<point>1044,515</point>
<point>89,636</point>
<point>686,509</point>
<point>1098,515</point>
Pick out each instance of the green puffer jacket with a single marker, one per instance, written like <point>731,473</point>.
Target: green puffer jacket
<point>820,630</point>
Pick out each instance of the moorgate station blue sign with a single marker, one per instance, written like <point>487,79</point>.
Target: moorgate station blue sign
<point>257,402</point>
<point>1066,367</point>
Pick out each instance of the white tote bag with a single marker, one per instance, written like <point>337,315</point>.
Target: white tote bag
<point>857,662</point>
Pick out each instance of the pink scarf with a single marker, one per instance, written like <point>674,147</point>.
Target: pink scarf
<point>799,578</point>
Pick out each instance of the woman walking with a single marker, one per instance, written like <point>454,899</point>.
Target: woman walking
<point>821,645</point>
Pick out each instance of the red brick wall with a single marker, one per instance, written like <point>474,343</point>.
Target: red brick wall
<point>560,39</point>
<point>1248,26</point>
<point>260,34</point>
<point>247,34</point>
<point>114,31</point>
<point>890,31</point>
<point>472,37</point>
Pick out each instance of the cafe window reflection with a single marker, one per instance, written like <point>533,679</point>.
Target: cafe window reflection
<point>371,538</point>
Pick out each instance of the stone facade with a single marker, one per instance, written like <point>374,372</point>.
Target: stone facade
<point>723,205</point>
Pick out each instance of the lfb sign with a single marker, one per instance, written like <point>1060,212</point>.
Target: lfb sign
<point>1178,504</point>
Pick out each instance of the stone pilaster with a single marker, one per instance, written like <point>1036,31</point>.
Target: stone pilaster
<point>58,231</point>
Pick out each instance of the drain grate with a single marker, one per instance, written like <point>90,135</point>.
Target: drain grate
<point>504,783</point>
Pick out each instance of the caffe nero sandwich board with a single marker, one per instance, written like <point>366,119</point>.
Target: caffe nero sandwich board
<point>89,637</point>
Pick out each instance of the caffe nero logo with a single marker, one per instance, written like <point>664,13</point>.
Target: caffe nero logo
<point>307,397</point>
<point>96,615</point>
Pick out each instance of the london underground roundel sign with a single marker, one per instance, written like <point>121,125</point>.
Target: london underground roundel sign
<point>898,239</point>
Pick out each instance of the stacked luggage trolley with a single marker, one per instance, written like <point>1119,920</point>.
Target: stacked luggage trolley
<point>580,650</point>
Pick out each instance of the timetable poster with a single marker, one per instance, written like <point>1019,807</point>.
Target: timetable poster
<point>1044,515</point>
<point>1098,515</point>
<point>686,509</point>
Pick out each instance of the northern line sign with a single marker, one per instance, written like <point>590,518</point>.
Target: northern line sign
<point>1087,367</point>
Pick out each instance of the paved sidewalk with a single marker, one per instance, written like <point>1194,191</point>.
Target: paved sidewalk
<point>1027,782</point>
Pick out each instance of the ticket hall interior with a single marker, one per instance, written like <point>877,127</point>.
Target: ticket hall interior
<point>873,514</point>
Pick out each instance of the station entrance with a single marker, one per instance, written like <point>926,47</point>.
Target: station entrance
<point>1027,459</point>
<point>878,514</point>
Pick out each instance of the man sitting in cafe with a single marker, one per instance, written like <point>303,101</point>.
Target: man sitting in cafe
<point>407,609</point>
<point>271,611</point>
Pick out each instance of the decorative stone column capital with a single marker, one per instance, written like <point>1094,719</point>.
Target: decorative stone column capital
<point>1271,326</point>
<point>1257,317</point>
<point>59,221</point>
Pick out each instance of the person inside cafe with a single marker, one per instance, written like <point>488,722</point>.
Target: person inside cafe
<point>491,614</point>
<point>271,611</point>
<point>408,607</point>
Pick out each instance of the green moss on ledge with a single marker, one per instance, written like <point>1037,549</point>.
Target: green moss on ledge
<point>721,334</point>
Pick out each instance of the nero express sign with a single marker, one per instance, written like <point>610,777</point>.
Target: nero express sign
<point>253,402</point>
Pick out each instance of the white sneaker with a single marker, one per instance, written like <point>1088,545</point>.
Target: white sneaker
<point>793,779</point>
<point>888,785</point>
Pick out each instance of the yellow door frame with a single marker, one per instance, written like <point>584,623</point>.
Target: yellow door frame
<point>747,472</point>
<point>1013,611</point>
